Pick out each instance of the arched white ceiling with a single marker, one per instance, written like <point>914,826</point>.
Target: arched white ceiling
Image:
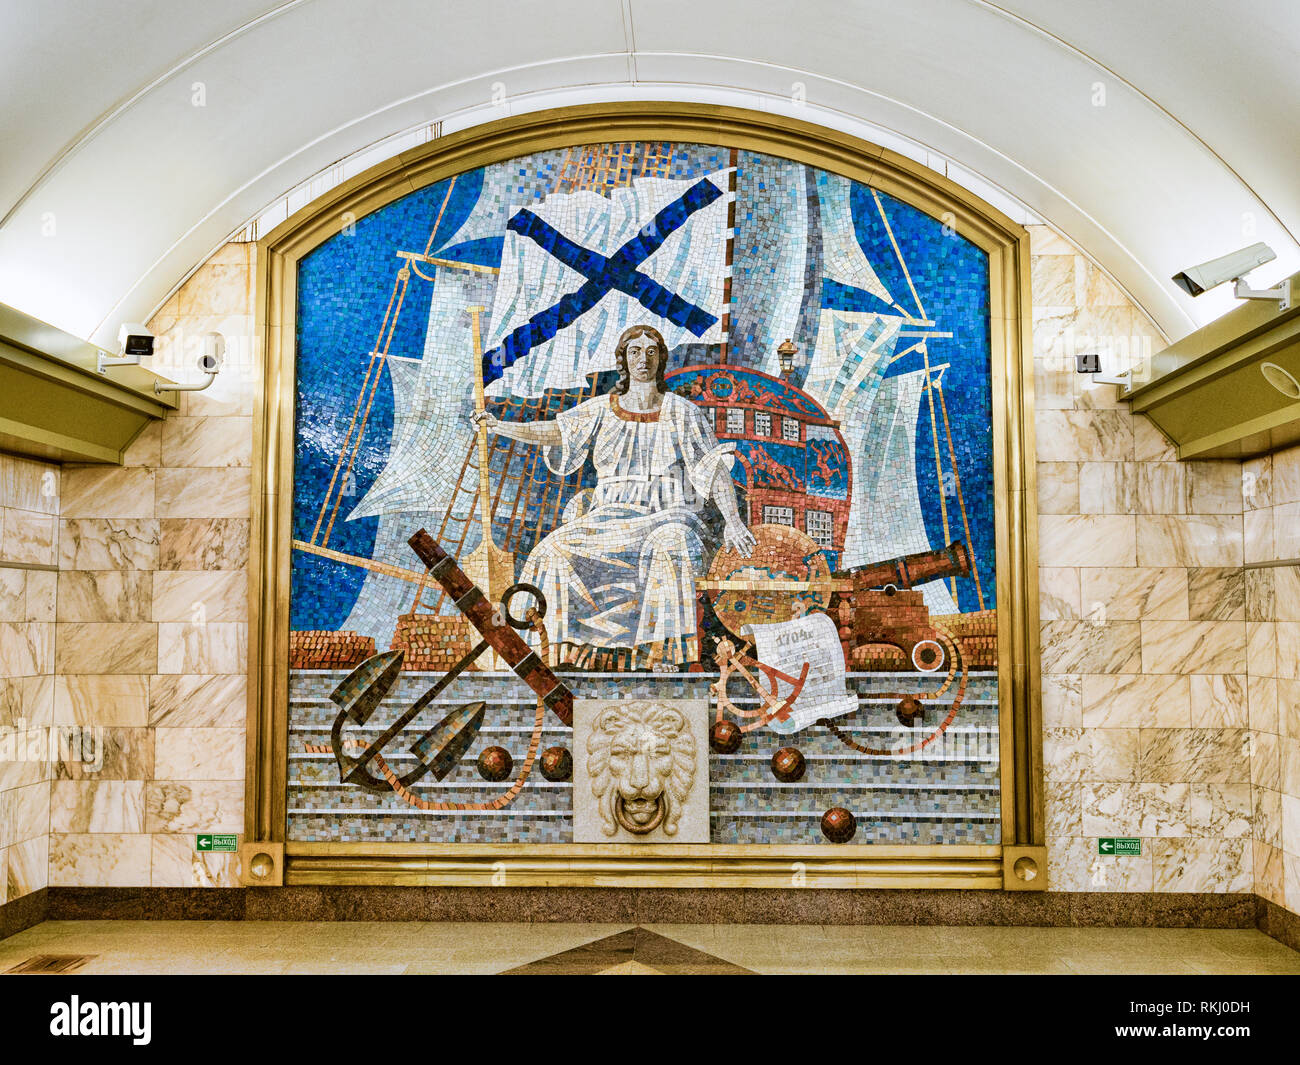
<point>1154,135</point>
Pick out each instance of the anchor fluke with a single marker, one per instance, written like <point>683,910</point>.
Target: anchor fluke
<point>442,747</point>
<point>364,688</point>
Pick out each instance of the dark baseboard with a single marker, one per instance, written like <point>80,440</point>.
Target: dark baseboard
<point>673,906</point>
<point>655,906</point>
<point>24,912</point>
<point>1280,923</point>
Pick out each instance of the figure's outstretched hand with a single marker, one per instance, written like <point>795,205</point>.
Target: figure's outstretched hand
<point>482,417</point>
<point>739,539</point>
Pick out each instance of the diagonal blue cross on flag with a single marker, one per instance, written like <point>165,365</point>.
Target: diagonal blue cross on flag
<point>617,272</point>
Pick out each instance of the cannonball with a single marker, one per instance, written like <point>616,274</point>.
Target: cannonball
<point>838,825</point>
<point>788,765</point>
<point>557,764</point>
<point>909,711</point>
<point>495,763</point>
<point>724,737</point>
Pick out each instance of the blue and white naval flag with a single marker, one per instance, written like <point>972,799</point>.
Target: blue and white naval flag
<point>579,268</point>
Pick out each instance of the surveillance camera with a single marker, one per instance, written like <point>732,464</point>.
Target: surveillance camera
<point>135,341</point>
<point>1090,363</point>
<point>1197,279</point>
<point>210,359</point>
<point>212,356</point>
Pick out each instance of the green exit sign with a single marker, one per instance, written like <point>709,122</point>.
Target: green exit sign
<point>1115,845</point>
<point>210,842</point>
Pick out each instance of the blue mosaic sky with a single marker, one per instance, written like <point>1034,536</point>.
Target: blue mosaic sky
<point>951,279</point>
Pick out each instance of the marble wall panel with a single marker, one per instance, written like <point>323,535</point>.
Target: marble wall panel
<point>173,806</point>
<point>199,754</point>
<point>101,753</point>
<point>13,595</point>
<point>1062,700</point>
<point>1107,487</point>
<point>121,544</point>
<point>1257,531</point>
<point>107,859</point>
<point>41,595</point>
<point>207,595</point>
<point>1135,594</point>
<point>105,595</point>
<point>175,863</point>
<point>205,441</point>
<point>1085,647</point>
<point>102,699</point>
<point>1094,540</point>
<point>1135,700</point>
<point>1214,487</point>
<point>1189,540</point>
<point>203,544</point>
<point>106,647</point>
<point>1219,701</point>
<point>27,537</point>
<point>210,647</point>
<point>1202,865</point>
<point>198,701</point>
<point>1193,647</point>
<point>82,806</point>
<point>28,867</point>
<point>1216,594</point>
<point>26,649</point>
<point>1058,593</point>
<point>1101,435</point>
<point>1193,755</point>
<point>108,492</point>
<point>1058,488</point>
<point>203,493</point>
<point>29,485</point>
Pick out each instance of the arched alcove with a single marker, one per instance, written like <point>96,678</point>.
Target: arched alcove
<point>289,293</point>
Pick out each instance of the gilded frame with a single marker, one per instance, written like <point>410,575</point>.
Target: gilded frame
<point>1017,863</point>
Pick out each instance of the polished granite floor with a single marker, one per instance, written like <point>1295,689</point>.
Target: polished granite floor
<point>391,947</point>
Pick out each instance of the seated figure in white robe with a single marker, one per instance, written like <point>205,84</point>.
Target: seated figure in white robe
<point>620,576</point>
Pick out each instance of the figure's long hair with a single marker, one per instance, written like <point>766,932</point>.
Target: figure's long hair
<point>620,358</point>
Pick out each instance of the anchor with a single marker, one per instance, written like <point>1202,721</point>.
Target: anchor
<point>439,750</point>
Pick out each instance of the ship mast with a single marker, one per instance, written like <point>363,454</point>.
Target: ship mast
<point>480,408</point>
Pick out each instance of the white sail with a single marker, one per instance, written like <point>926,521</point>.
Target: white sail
<point>886,503</point>
<point>842,257</point>
<point>492,208</point>
<point>405,376</point>
<point>383,598</point>
<point>877,414</point>
<point>689,263</point>
<point>851,346</point>
<point>430,431</point>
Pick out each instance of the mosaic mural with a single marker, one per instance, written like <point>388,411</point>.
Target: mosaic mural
<point>667,425</point>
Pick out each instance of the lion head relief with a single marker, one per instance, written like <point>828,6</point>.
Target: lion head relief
<point>641,763</point>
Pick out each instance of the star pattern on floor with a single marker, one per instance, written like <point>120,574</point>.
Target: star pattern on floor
<point>635,952</point>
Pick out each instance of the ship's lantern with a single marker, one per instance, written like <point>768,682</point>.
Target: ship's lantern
<point>786,353</point>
